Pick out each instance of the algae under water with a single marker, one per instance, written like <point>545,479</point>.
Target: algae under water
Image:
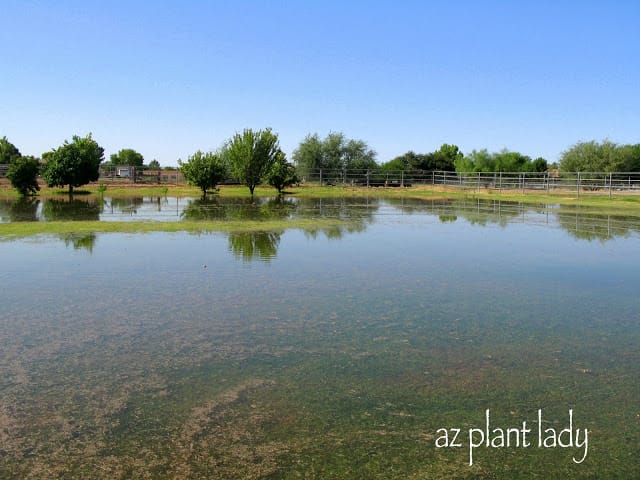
<point>336,353</point>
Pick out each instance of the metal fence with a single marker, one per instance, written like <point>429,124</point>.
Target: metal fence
<point>130,174</point>
<point>579,182</point>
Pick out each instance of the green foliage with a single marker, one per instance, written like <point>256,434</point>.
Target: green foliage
<point>283,173</point>
<point>540,165</point>
<point>252,155</point>
<point>127,156</point>
<point>73,164</point>
<point>23,173</point>
<point>502,161</point>
<point>204,170</point>
<point>396,165</point>
<point>442,160</point>
<point>631,155</point>
<point>154,164</point>
<point>8,151</point>
<point>335,152</point>
<point>600,157</point>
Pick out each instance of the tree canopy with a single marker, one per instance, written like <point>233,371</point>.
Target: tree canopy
<point>74,163</point>
<point>204,170</point>
<point>283,173</point>
<point>600,157</point>
<point>442,159</point>
<point>335,152</point>
<point>23,173</point>
<point>502,161</point>
<point>127,156</point>
<point>251,155</point>
<point>8,151</point>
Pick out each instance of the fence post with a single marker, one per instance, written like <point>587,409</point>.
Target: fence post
<point>546,177</point>
<point>433,177</point>
<point>402,178</point>
<point>578,184</point>
<point>523,180</point>
<point>610,182</point>
<point>478,186</point>
<point>320,177</point>
<point>367,178</point>
<point>500,187</point>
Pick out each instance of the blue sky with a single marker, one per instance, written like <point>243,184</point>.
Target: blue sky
<point>168,78</point>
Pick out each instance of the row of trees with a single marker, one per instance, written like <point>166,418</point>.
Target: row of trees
<point>251,157</point>
<point>601,157</point>
<point>254,157</point>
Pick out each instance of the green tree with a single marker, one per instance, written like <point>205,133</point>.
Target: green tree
<point>8,151</point>
<point>283,173</point>
<point>154,164</point>
<point>442,159</point>
<point>540,165</point>
<point>631,157</point>
<point>74,164</point>
<point>309,155</point>
<point>445,157</point>
<point>23,173</point>
<point>356,154</point>
<point>335,152</point>
<point>593,157</point>
<point>397,164</point>
<point>204,170</point>
<point>252,155</point>
<point>127,156</point>
<point>502,161</point>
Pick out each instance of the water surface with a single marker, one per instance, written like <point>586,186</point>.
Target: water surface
<point>322,354</point>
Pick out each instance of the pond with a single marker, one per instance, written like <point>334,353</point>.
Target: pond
<point>348,352</point>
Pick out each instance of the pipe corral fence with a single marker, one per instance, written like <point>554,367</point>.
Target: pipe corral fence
<point>552,181</point>
<point>131,174</point>
<point>579,182</point>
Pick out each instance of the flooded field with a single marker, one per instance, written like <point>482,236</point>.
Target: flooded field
<point>348,352</point>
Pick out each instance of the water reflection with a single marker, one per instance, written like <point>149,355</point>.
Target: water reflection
<point>25,209</point>
<point>259,209</point>
<point>353,214</point>
<point>595,226</point>
<point>254,245</point>
<point>71,209</point>
<point>81,242</point>
<point>126,205</point>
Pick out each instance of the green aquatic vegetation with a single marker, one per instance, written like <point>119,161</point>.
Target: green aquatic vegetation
<point>9,231</point>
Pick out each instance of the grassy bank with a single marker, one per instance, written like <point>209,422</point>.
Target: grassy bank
<point>624,200</point>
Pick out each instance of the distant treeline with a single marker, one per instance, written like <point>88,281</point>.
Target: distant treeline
<point>333,152</point>
<point>336,152</point>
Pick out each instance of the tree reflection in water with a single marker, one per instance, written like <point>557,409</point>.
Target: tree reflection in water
<point>254,245</point>
<point>70,209</point>
<point>24,209</point>
<point>85,242</point>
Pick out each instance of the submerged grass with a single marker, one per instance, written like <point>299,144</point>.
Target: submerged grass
<point>9,231</point>
<point>628,206</point>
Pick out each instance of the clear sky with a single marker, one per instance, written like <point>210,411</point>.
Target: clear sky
<point>170,77</point>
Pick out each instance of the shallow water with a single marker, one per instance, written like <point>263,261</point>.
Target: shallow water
<point>324,354</point>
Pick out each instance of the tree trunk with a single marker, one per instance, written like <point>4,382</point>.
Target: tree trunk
<point>70,189</point>
<point>251,188</point>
